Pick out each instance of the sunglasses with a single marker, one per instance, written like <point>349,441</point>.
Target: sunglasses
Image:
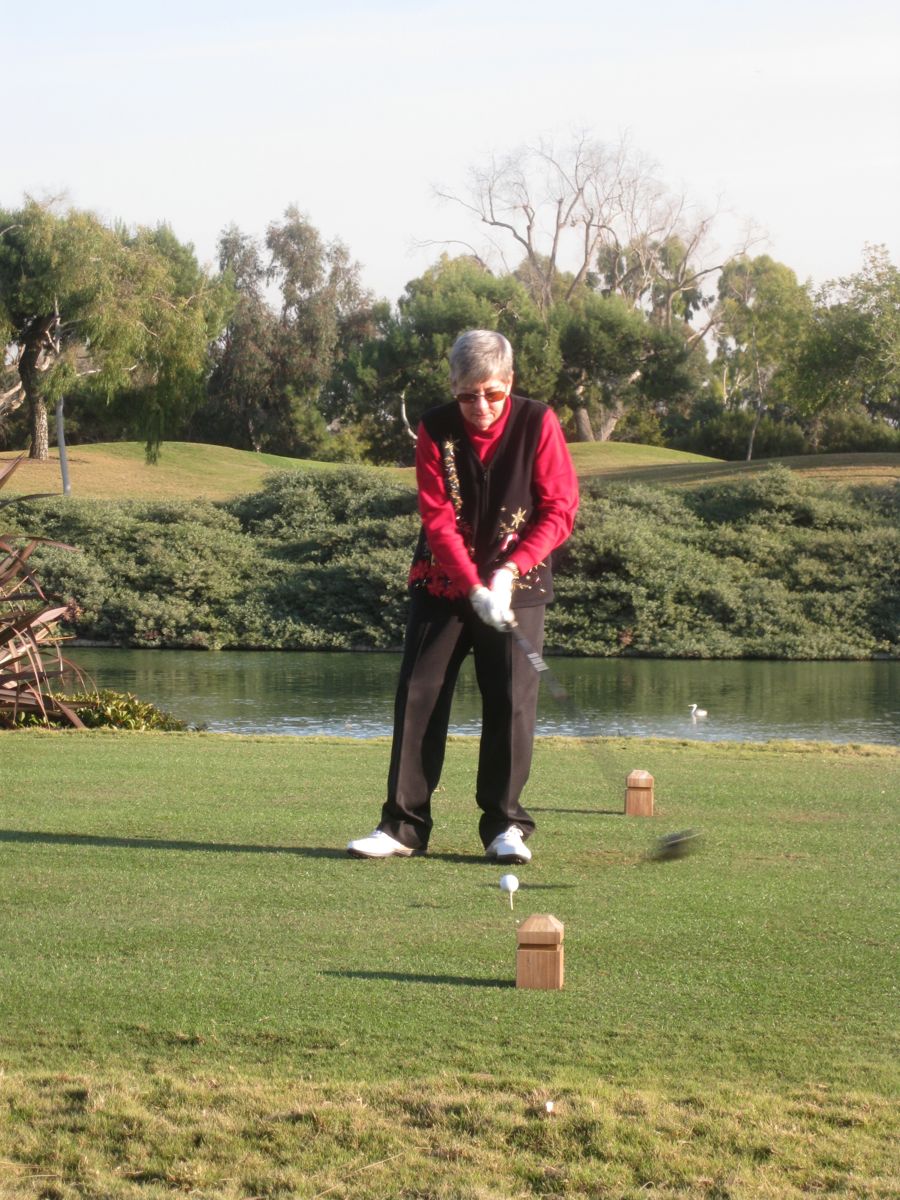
<point>492,396</point>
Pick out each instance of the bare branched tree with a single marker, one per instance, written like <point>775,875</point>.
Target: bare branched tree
<point>597,214</point>
<point>557,207</point>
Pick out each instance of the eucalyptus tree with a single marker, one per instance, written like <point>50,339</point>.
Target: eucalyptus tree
<point>321,295</point>
<point>763,315</point>
<point>240,386</point>
<point>83,303</point>
<point>850,356</point>
<point>298,304</point>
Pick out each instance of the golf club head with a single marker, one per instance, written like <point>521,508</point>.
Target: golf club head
<point>675,845</point>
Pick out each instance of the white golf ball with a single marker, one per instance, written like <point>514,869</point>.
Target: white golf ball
<point>509,883</point>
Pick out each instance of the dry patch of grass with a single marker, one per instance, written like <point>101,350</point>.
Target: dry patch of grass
<point>65,1137</point>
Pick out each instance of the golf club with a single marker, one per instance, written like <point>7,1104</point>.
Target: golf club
<point>557,691</point>
<point>675,845</point>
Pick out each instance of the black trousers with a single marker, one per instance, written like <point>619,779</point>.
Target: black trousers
<point>439,636</point>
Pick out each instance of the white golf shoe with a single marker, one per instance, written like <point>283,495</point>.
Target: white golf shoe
<point>509,847</point>
<point>378,845</point>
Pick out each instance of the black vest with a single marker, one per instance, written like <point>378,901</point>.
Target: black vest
<point>494,505</point>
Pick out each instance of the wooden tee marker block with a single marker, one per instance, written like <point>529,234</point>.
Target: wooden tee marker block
<point>639,794</point>
<point>539,957</point>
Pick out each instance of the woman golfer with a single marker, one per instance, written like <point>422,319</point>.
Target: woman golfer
<point>497,495</point>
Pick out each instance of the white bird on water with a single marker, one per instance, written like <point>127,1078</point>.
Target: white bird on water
<point>697,712</point>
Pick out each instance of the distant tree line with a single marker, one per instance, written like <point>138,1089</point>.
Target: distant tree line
<point>622,315</point>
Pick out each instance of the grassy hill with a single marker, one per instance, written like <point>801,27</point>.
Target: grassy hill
<point>614,461</point>
<point>185,471</point>
<point>188,470</point>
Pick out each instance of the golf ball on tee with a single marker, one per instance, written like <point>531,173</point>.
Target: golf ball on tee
<point>509,883</point>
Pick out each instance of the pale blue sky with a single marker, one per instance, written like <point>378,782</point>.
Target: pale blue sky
<point>203,114</point>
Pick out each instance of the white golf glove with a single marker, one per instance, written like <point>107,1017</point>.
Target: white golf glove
<point>489,609</point>
<point>501,586</point>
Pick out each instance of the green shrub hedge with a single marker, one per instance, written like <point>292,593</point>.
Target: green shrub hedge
<point>770,566</point>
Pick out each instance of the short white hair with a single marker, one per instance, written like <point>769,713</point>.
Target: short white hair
<point>477,355</point>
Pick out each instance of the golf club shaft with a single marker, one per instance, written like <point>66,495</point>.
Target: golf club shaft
<point>557,691</point>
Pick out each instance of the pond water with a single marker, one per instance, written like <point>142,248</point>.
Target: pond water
<point>352,694</point>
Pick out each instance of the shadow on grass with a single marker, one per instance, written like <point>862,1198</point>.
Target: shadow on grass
<point>135,843</point>
<point>41,837</point>
<point>405,977</point>
<point>453,857</point>
<point>584,812</point>
<point>448,856</point>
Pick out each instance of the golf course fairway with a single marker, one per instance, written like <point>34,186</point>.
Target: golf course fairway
<point>202,994</point>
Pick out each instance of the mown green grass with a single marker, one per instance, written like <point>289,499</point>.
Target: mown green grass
<point>188,470</point>
<point>200,991</point>
<point>594,461</point>
<point>184,471</point>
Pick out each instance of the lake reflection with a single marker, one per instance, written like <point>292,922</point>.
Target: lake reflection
<point>352,695</point>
